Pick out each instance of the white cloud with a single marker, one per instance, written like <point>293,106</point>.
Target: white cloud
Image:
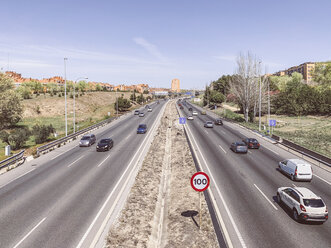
<point>152,49</point>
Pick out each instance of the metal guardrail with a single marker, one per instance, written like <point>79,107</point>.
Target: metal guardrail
<point>72,136</point>
<point>11,160</point>
<point>290,145</point>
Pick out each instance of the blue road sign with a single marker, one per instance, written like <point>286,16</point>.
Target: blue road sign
<point>182,120</point>
<point>272,123</point>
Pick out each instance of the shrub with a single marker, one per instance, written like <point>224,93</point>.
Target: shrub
<point>42,132</point>
<point>17,138</point>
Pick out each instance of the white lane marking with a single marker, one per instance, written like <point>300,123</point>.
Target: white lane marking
<point>127,136</point>
<point>223,132</point>
<point>293,184</point>
<point>205,131</point>
<point>222,148</point>
<point>17,178</point>
<point>224,203</point>
<point>266,197</point>
<point>58,155</point>
<point>322,179</point>
<point>76,160</point>
<point>249,152</point>
<point>114,189</point>
<point>271,150</point>
<point>30,232</point>
<point>103,160</point>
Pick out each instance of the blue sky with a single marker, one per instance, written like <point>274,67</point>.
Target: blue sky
<point>155,41</point>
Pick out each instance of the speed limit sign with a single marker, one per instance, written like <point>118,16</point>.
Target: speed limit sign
<point>200,181</point>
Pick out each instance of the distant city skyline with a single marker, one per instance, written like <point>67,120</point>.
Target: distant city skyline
<point>152,42</point>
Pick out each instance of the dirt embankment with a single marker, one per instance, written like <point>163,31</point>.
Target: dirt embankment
<point>152,216</point>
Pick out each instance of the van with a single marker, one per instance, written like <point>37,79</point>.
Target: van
<point>297,169</point>
<point>87,140</point>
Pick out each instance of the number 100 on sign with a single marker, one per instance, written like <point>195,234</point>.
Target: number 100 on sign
<point>200,181</point>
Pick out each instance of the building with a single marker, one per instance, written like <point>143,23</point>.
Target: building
<point>175,87</point>
<point>306,69</point>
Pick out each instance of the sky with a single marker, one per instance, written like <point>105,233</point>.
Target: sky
<point>153,42</point>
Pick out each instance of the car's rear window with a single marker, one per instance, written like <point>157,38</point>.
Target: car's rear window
<point>142,126</point>
<point>252,140</point>
<point>315,203</point>
<point>104,140</point>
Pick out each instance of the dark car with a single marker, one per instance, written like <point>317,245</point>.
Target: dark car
<point>252,143</point>
<point>142,128</point>
<point>87,140</point>
<point>105,145</point>
<point>190,109</point>
<point>218,122</point>
<point>181,107</point>
<point>239,147</point>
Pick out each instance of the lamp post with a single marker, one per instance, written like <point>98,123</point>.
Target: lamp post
<point>65,95</point>
<point>260,100</point>
<point>75,101</point>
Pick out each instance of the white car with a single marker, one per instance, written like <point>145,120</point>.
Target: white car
<point>297,169</point>
<point>304,204</point>
<point>149,110</point>
<point>141,114</point>
<point>194,113</point>
<point>190,117</point>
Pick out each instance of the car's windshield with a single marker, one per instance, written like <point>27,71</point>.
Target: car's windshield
<point>315,203</point>
<point>86,138</point>
<point>142,126</point>
<point>104,141</point>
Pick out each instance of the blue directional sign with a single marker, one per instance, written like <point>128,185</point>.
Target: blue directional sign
<point>272,123</point>
<point>182,120</point>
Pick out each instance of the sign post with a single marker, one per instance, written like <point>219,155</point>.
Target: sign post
<point>200,182</point>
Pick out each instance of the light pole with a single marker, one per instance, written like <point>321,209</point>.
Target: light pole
<point>260,100</point>
<point>75,101</point>
<point>65,95</point>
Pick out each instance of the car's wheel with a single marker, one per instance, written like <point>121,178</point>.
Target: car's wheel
<point>279,200</point>
<point>292,177</point>
<point>295,215</point>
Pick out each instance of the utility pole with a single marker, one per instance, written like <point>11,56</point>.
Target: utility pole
<point>260,98</point>
<point>65,95</point>
<point>268,106</point>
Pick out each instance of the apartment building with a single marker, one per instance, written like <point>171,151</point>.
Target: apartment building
<point>306,69</point>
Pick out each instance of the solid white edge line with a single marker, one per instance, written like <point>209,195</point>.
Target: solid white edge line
<point>27,235</point>
<point>104,160</point>
<point>266,197</point>
<point>76,161</point>
<point>270,150</point>
<point>111,193</point>
<point>222,149</point>
<point>17,178</point>
<point>314,175</point>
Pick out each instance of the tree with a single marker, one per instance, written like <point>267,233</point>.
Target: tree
<point>123,104</point>
<point>11,108</point>
<point>222,84</point>
<point>245,84</point>
<point>133,96</point>
<point>146,92</point>
<point>322,73</point>
<point>82,86</point>
<point>98,87</point>
<point>216,97</point>
<point>206,96</point>
<point>141,99</point>
<point>42,132</point>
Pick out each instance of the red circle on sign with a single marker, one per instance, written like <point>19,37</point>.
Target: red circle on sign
<point>197,174</point>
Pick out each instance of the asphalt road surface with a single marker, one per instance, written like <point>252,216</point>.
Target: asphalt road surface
<point>245,186</point>
<point>53,201</point>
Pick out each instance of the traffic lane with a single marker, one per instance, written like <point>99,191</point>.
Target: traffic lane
<point>84,168</point>
<point>241,198</point>
<point>89,200</point>
<point>247,169</point>
<point>323,186</point>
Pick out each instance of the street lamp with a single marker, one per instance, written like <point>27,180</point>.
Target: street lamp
<point>260,100</point>
<point>65,95</point>
<point>75,101</point>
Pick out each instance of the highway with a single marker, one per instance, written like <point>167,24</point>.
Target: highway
<point>61,198</point>
<point>245,185</point>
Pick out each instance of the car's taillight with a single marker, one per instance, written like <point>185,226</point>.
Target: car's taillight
<point>296,172</point>
<point>258,144</point>
<point>302,208</point>
<point>250,144</point>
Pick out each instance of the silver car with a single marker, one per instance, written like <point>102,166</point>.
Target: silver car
<point>87,140</point>
<point>209,124</point>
